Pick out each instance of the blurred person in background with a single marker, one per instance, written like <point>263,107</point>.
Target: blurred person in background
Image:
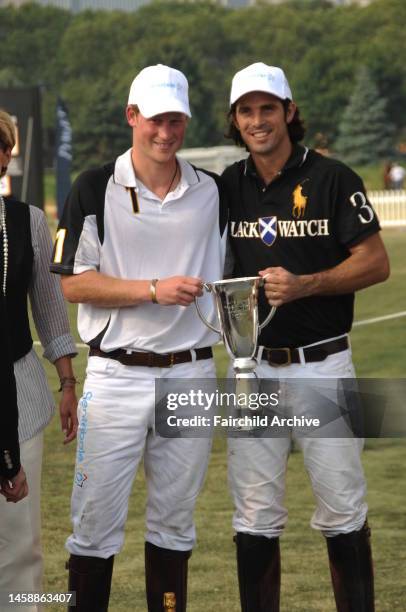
<point>397,176</point>
<point>386,175</point>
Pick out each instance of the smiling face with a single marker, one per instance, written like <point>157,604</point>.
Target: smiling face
<point>157,138</point>
<point>263,123</point>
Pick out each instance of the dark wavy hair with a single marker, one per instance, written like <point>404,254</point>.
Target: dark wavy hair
<point>296,128</point>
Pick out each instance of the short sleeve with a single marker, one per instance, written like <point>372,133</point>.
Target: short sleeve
<point>80,230</point>
<point>354,216</point>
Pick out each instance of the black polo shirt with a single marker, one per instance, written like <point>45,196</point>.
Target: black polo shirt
<point>305,220</point>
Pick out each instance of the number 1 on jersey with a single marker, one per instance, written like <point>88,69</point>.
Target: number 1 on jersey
<point>59,242</point>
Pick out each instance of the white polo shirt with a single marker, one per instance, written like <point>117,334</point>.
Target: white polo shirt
<point>113,224</point>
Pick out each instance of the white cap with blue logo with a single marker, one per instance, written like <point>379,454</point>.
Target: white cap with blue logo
<point>260,77</point>
<point>160,89</point>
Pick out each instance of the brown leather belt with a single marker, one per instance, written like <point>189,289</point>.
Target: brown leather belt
<point>153,360</point>
<point>285,356</point>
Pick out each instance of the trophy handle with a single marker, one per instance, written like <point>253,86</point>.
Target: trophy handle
<point>271,312</point>
<point>269,317</point>
<point>201,315</point>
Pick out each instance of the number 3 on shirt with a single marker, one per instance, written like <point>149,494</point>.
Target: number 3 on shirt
<point>59,241</point>
<point>366,214</point>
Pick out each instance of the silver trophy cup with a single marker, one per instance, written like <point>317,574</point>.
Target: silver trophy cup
<point>236,302</point>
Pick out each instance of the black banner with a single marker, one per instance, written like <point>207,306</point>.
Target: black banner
<point>63,148</point>
<point>25,172</point>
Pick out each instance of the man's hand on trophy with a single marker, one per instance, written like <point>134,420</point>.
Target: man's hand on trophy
<point>282,286</point>
<point>180,290</point>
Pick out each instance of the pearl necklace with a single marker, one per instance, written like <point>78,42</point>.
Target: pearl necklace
<point>3,228</point>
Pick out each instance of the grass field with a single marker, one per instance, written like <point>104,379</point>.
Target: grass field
<point>379,351</point>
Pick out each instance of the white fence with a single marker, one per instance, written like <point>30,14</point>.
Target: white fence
<point>390,206</point>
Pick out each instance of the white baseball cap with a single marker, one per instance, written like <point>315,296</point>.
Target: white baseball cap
<point>160,89</point>
<point>260,77</point>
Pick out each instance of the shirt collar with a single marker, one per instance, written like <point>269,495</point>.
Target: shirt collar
<point>124,171</point>
<point>297,158</point>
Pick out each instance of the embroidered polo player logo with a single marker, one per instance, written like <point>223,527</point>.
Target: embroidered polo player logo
<point>299,201</point>
<point>268,229</point>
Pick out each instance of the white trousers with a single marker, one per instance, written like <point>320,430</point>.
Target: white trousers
<point>21,562</point>
<point>116,429</point>
<point>257,466</point>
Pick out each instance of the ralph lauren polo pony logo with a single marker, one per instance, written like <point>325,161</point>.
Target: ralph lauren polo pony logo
<point>299,201</point>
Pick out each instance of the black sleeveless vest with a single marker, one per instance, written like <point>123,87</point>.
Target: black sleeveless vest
<point>20,266</point>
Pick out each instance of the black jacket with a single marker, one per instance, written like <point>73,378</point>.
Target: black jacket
<point>9,447</point>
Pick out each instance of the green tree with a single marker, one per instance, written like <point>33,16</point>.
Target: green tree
<point>365,132</point>
<point>90,59</point>
<point>30,37</point>
<point>384,50</point>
